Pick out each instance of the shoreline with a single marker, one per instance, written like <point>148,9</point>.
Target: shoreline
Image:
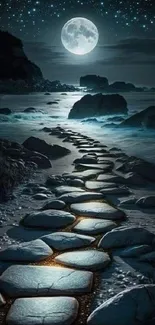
<point>121,273</point>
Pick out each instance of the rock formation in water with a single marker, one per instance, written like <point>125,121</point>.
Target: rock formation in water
<point>93,81</point>
<point>145,118</point>
<point>98,105</point>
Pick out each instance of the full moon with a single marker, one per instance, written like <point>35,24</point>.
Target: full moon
<point>79,36</point>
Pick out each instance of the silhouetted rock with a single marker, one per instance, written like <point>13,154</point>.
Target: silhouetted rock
<point>121,86</point>
<point>30,110</point>
<point>98,105</point>
<point>5,111</point>
<point>52,151</point>
<point>93,81</point>
<point>144,118</point>
<point>14,64</point>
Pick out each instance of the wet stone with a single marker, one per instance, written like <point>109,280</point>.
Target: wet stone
<point>32,251</point>
<point>77,197</point>
<point>91,260</point>
<point>38,281</point>
<point>97,210</point>
<point>94,226</point>
<point>111,178</point>
<point>104,167</point>
<point>66,189</point>
<point>54,204</point>
<point>116,191</point>
<point>52,310</point>
<point>126,236</point>
<point>54,219</point>
<point>132,306</point>
<point>67,240</point>
<point>40,196</point>
<point>85,175</point>
<point>96,185</point>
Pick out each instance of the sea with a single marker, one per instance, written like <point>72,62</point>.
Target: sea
<point>19,126</point>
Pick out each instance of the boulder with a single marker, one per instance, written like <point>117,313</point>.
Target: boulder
<point>5,111</point>
<point>41,161</point>
<point>98,105</point>
<point>126,236</point>
<point>29,110</point>
<point>51,151</point>
<point>147,202</point>
<point>133,306</point>
<point>144,118</point>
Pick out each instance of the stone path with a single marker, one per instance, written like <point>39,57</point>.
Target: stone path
<point>87,252</point>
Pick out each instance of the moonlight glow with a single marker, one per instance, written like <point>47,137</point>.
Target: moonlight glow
<point>79,36</point>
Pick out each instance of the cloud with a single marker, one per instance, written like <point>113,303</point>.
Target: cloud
<point>134,45</point>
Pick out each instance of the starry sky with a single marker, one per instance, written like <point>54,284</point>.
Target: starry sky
<point>126,47</point>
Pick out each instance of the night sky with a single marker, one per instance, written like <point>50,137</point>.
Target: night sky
<point>126,48</point>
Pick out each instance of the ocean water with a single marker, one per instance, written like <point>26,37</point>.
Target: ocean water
<point>19,126</point>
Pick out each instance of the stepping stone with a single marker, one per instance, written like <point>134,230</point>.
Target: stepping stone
<point>103,167</point>
<point>2,301</point>
<point>77,197</point>
<point>40,196</point>
<point>92,150</point>
<point>32,281</point>
<point>94,226</point>
<point>91,260</point>
<point>116,191</point>
<point>126,236</point>
<point>110,178</point>
<point>84,175</point>
<point>86,160</point>
<point>67,240</point>
<point>32,251</point>
<point>54,204</point>
<point>135,251</point>
<point>53,219</point>
<point>66,189</point>
<point>54,310</point>
<point>96,185</point>
<point>133,306</point>
<point>97,210</point>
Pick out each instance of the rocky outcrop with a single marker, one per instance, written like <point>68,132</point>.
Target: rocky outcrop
<point>14,64</point>
<point>41,146</point>
<point>16,162</point>
<point>98,105</point>
<point>93,81</point>
<point>5,111</point>
<point>121,86</point>
<point>144,118</point>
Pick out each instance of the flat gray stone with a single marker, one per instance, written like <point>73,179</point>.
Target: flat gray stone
<point>133,306</point>
<point>97,210</point>
<point>54,219</point>
<point>2,301</point>
<point>67,240</point>
<point>96,185</point>
<point>32,251</point>
<point>76,197</point>
<point>116,191</point>
<point>135,251</point>
<point>94,226</point>
<point>32,281</point>
<point>40,196</point>
<point>92,150</point>
<point>111,178</point>
<point>66,189</point>
<point>91,260</point>
<point>54,204</point>
<point>104,167</point>
<point>126,236</point>
<point>85,175</point>
<point>35,311</point>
